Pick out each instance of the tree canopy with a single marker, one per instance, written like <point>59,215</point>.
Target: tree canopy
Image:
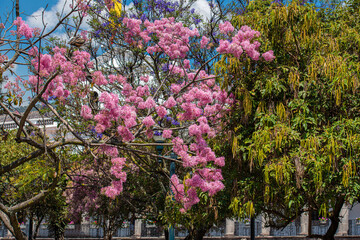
<point>295,125</point>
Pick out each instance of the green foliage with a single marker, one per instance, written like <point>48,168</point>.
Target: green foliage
<point>296,123</point>
<point>25,180</point>
<point>54,210</point>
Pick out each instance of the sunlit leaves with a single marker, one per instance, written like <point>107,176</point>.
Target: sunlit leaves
<point>303,134</point>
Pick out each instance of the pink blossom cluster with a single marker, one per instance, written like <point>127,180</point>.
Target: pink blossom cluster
<point>173,38</point>
<point>116,186</point>
<point>195,101</point>
<point>203,156</point>
<point>268,56</point>
<point>111,111</point>
<point>23,29</point>
<point>187,199</point>
<point>202,98</point>
<point>72,72</point>
<point>86,112</point>
<point>242,42</point>
<point>226,27</point>
<point>84,191</point>
<point>204,41</point>
<point>170,102</point>
<point>108,151</point>
<point>199,98</point>
<point>134,31</point>
<point>206,179</point>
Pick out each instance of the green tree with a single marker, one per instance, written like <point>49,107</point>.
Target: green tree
<point>24,186</point>
<point>52,210</point>
<point>294,132</point>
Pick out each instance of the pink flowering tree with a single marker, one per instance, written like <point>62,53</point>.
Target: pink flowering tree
<point>102,108</point>
<point>142,196</point>
<point>85,198</point>
<point>130,111</point>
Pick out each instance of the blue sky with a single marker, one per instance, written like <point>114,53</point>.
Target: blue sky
<point>31,12</point>
<point>33,8</point>
<point>26,6</point>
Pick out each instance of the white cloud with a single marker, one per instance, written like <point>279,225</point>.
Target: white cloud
<point>203,8</point>
<point>127,7</point>
<point>50,17</point>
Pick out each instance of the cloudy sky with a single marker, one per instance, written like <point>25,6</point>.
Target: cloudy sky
<point>32,10</point>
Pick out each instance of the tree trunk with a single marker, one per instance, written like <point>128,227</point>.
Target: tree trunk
<point>310,223</point>
<point>196,234</point>
<point>17,9</point>
<point>330,234</point>
<point>18,234</point>
<point>108,229</point>
<point>166,233</point>
<point>37,226</point>
<point>61,237</point>
<point>108,234</point>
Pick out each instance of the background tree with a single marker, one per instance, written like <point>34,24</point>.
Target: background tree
<point>294,128</point>
<point>25,181</point>
<point>52,212</point>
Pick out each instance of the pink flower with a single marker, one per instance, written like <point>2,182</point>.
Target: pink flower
<point>86,112</point>
<point>226,27</point>
<point>33,51</point>
<point>98,78</point>
<point>125,133</point>
<point>161,111</point>
<point>111,151</point>
<point>175,88</point>
<point>204,41</point>
<point>118,161</point>
<point>148,121</point>
<point>130,122</point>
<point>110,192</point>
<point>100,128</point>
<point>268,56</point>
<point>195,181</point>
<point>167,133</point>
<point>194,130</point>
<point>186,64</point>
<point>144,78</point>
<point>142,91</point>
<point>170,102</point>
<point>59,92</point>
<point>202,120</point>
<point>150,103</point>
<point>220,161</point>
<point>215,187</point>
<point>223,46</point>
<point>23,28</point>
